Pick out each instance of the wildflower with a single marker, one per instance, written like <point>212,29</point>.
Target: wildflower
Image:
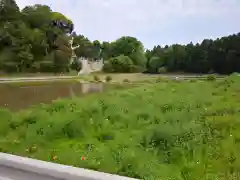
<point>54,158</point>
<point>82,158</point>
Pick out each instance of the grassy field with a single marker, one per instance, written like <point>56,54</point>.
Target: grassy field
<point>165,130</point>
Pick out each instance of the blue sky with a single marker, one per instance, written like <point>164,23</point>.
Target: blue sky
<point>151,21</point>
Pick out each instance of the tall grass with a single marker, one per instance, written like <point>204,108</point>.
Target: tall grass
<point>168,130</point>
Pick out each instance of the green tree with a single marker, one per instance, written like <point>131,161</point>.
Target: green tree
<point>9,10</point>
<point>126,45</point>
<point>138,58</point>
<point>26,45</point>
<point>218,55</point>
<point>154,64</point>
<point>121,64</point>
<point>37,16</point>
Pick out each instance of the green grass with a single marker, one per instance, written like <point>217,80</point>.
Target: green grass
<point>165,130</point>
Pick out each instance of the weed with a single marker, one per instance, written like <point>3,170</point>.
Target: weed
<point>108,78</point>
<point>155,131</point>
<point>211,77</point>
<point>96,78</point>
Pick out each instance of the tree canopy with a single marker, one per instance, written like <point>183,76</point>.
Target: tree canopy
<point>25,46</point>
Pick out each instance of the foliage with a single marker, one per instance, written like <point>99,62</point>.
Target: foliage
<point>26,39</point>
<point>138,59</point>
<point>211,77</point>
<point>96,78</point>
<point>120,64</point>
<point>136,69</point>
<point>154,64</point>
<point>107,67</point>
<point>126,80</point>
<point>108,78</point>
<point>156,131</point>
<point>162,70</point>
<point>26,34</point>
<point>220,56</point>
<point>126,46</point>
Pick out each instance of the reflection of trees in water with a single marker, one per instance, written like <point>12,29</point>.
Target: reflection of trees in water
<point>72,94</point>
<point>88,88</point>
<point>84,89</point>
<point>17,98</point>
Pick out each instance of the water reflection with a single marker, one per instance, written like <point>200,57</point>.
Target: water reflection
<point>20,97</point>
<point>87,88</point>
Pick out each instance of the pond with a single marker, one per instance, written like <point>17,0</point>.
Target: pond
<point>16,97</point>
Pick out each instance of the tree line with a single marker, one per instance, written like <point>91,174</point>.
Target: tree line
<point>25,47</point>
<point>211,56</point>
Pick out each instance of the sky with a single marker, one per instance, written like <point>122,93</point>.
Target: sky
<point>153,22</point>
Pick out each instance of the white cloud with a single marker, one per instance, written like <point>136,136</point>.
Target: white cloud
<point>110,19</point>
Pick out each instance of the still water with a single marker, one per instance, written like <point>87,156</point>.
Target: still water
<point>16,97</point>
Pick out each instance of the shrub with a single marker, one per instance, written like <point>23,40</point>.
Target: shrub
<point>76,66</point>
<point>162,79</point>
<point>121,64</point>
<point>192,80</point>
<point>96,78</point>
<point>154,64</point>
<point>159,79</point>
<point>126,80</point>
<point>107,67</point>
<point>136,69</point>
<point>162,70</point>
<point>138,58</point>
<point>211,77</point>
<point>108,78</point>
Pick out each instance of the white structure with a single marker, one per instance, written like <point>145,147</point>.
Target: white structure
<point>73,57</point>
<point>90,66</point>
<point>87,66</point>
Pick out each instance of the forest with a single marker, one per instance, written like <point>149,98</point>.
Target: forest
<point>25,47</point>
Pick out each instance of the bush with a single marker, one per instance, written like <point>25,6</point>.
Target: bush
<point>192,80</point>
<point>61,61</point>
<point>77,66</point>
<point>162,70</point>
<point>120,64</point>
<point>136,69</point>
<point>161,79</point>
<point>126,80</point>
<point>138,59</point>
<point>45,66</point>
<point>108,78</point>
<point>211,77</point>
<point>9,67</point>
<point>8,61</point>
<point>107,67</point>
<point>96,78</point>
<point>154,64</point>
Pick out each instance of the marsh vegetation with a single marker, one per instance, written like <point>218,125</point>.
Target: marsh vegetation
<point>164,130</point>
